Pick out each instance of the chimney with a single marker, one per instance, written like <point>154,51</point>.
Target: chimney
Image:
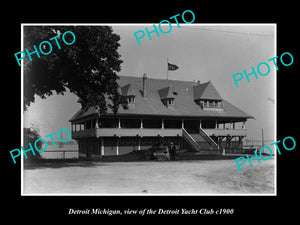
<point>144,85</point>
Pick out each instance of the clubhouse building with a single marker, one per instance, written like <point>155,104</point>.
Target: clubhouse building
<point>191,115</point>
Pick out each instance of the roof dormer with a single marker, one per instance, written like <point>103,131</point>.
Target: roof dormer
<point>167,96</point>
<point>128,93</point>
<point>207,97</point>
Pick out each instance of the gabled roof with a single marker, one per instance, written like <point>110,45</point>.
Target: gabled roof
<point>127,90</point>
<point>185,105</point>
<point>206,91</point>
<point>166,92</point>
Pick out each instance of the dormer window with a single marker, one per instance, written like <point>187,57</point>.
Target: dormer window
<point>210,104</point>
<point>167,96</point>
<point>130,99</point>
<point>207,97</point>
<point>170,101</point>
<point>128,94</point>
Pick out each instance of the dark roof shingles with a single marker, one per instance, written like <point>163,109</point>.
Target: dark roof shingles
<point>184,105</point>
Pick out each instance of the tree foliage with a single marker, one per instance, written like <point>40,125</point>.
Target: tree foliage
<point>87,68</point>
<point>30,136</point>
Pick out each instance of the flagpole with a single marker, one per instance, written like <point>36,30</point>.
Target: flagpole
<point>167,68</point>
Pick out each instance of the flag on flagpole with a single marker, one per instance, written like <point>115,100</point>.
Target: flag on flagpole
<point>172,67</point>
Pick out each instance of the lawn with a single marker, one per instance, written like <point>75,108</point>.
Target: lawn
<point>149,177</point>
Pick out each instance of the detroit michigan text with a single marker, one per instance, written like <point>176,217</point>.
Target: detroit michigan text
<point>149,211</point>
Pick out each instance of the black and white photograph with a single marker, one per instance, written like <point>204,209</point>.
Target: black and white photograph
<point>155,112</point>
<point>162,109</point>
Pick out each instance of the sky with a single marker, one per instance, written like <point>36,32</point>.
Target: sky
<point>202,52</point>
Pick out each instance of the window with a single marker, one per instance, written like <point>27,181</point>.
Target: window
<point>82,126</point>
<point>131,99</point>
<point>210,103</point>
<point>170,101</point>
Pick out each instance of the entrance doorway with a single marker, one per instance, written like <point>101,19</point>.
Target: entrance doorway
<point>192,126</point>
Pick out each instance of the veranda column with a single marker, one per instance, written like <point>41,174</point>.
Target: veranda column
<point>117,146</point>
<point>102,147</point>
<point>244,125</point>
<point>139,142</point>
<point>97,121</point>
<point>162,124</point>
<point>240,143</point>
<point>142,123</point>
<point>119,123</point>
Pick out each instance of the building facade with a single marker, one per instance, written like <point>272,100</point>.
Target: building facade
<point>191,115</point>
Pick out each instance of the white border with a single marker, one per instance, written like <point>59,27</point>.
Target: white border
<point>275,111</point>
<point>22,109</point>
<point>147,24</point>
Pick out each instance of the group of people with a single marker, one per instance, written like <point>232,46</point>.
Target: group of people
<point>169,152</point>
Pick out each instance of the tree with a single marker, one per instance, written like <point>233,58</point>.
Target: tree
<point>30,136</point>
<point>87,68</point>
